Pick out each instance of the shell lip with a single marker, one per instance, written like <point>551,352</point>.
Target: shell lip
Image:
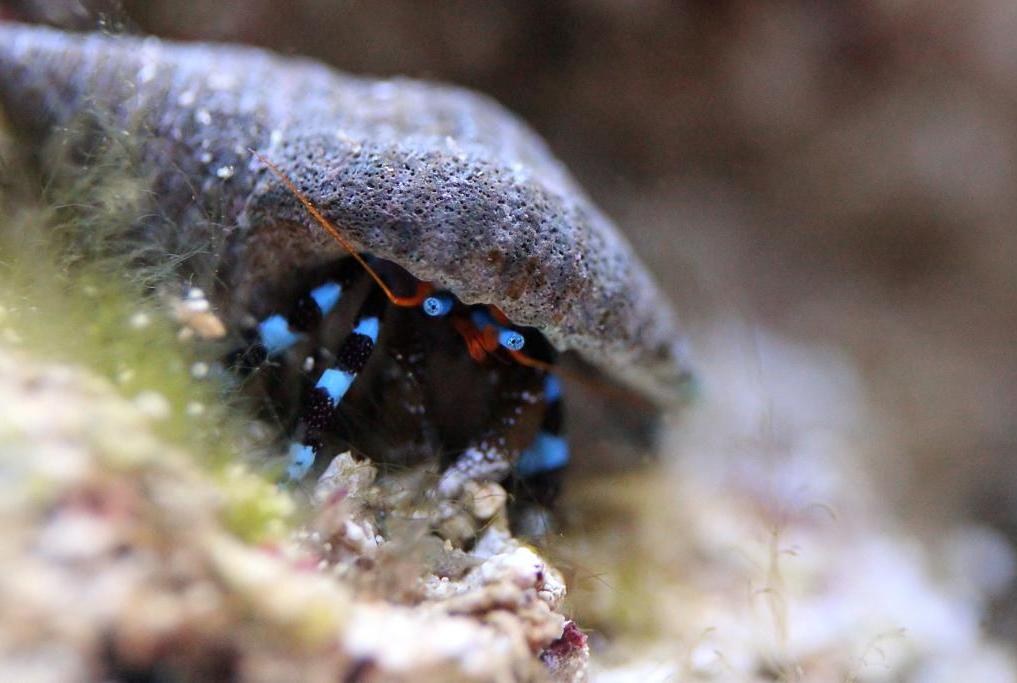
<point>658,371</point>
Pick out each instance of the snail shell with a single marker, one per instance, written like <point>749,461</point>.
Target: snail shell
<point>438,179</point>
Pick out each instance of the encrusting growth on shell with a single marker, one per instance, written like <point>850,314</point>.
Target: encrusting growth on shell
<point>438,179</point>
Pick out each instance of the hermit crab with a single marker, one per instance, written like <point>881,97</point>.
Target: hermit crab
<point>407,259</point>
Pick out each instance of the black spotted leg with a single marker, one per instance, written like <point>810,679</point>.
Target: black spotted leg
<point>539,472</point>
<point>549,451</point>
<point>406,419</point>
<point>279,332</point>
<point>516,419</point>
<point>323,402</point>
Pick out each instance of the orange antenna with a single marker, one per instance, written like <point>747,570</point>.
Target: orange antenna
<point>423,288</point>
<point>472,336</point>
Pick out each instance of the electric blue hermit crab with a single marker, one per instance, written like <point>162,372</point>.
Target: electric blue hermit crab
<point>408,259</point>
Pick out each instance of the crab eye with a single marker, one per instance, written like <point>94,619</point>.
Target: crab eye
<point>437,305</point>
<point>510,339</point>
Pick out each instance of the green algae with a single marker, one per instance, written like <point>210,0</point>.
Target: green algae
<point>72,292</point>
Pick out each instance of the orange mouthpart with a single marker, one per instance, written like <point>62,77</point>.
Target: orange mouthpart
<point>489,337</point>
<point>472,336</point>
<point>499,317</point>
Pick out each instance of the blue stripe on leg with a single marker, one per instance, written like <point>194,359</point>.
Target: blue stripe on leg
<point>327,296</point>
<point>552,388</point>
<point>301,459</point>
<point>350,360</point>
<point>548,452</point>
<point>276,332</point>
<point>335,383</point>
<point>368,327</point>
<point>323,402</point>
<point>276,335</point>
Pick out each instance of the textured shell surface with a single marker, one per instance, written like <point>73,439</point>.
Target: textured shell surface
<point>438,179</point>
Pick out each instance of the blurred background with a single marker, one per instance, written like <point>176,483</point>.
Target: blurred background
<point>833,178</point>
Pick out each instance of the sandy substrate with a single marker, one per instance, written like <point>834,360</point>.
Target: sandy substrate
<point>118,560</point>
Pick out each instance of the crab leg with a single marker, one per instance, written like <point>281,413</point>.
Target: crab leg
<point>278,332</point>
<point>323,402</point>
<point>549,451</point>
<point>492,456</point>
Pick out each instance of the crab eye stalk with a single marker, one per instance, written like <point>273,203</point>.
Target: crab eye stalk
<point>511,340</point>
<point>437,305</point>
<point>508,338</point>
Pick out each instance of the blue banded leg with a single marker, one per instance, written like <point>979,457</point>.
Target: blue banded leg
<point>549,451</point>
<point>325,397</point>
<point>517,417</point>
<point>277,333</point>
<point>405,419</point>
<point>540,470</point>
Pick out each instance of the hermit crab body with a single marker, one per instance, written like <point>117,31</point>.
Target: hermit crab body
<point>410,372</point>
<point>444,190</point>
